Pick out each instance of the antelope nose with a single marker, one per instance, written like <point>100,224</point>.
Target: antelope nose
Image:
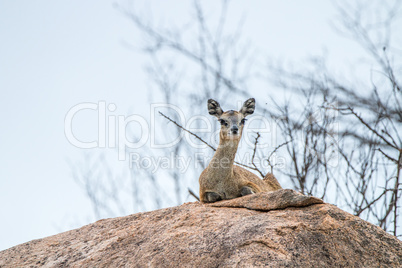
<point>235,129</point>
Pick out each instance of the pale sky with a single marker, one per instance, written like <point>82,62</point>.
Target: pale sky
<point>57,54</point>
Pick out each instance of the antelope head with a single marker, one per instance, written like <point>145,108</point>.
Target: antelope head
<point>232,122</point>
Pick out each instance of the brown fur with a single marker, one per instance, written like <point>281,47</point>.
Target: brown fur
<point>222,179</point>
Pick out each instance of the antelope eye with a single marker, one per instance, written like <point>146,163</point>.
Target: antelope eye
<point>223,122</point>
<point>243,121</point>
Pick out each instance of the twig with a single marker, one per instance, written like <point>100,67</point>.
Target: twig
<point>206,143</point>
<point>396,193</point>
<point>252,158</point>
<point>193,194</point>
<point>370,128</point>
<point>387,156</point>
<point>274,151</point>
<point>188,131</point>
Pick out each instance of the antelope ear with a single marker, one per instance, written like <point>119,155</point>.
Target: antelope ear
<point>214,108</point>
<point>248,107</point>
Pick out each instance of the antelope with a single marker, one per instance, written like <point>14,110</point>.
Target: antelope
<point>222,179</point>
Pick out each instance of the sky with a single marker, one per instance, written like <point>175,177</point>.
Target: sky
<point>55,55</point>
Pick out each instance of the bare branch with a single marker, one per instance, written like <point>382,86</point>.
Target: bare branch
<point>186,130</point>
<point>193,194</point>
<point>252,158</point>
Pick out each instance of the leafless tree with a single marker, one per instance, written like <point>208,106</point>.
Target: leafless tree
<point>369,118</point>
<point>341,140</point>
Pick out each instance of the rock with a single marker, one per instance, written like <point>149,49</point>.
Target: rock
<point>276,229</point>
<point>270,201</point>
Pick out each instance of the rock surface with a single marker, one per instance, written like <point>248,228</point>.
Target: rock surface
<point>282,228</point>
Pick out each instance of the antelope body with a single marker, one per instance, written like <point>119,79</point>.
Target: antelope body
<point>222,179</point>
